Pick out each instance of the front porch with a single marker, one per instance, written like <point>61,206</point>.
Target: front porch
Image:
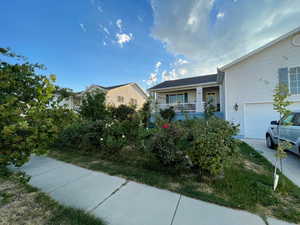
<point>191,101</point>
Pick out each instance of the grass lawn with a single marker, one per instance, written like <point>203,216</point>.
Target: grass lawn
<point>246,184</point>
<point>21,204</point>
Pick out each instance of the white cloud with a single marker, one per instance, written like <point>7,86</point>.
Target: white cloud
<point>169,75</point>
<point>119,24</point>
<point>152,79</point>
<point>123,38</point>
<point>83,28</point>
<point>220,15</point>
<point>104,43</point>
<point>158,64</point>
<point>206,44</point>
<point>106,30</point>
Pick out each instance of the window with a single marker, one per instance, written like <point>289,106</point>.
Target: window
<point>177,98</point>
<point>120,99</point>
<point>294,77</point>
<point>133,101</point>
<point>287,120</point>
<point>296,120</point>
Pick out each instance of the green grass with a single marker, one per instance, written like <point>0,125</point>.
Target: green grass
<point>246,184</point>
<point>59,214</point>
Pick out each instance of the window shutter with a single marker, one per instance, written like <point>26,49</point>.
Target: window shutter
<point>283,74</point>
<point>167,99</point>
<point>186,97</point>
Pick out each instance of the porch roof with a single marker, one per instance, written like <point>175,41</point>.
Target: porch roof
<point>187,81</point>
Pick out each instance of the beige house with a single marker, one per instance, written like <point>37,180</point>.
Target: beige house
<point>126,94</point>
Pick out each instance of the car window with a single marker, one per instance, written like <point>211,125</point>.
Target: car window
<point>296,120</point>
<point>287,120</point>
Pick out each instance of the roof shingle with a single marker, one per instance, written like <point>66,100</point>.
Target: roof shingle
<point>187,81</point>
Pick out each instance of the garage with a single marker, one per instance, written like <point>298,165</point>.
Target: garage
<point>257,117</point>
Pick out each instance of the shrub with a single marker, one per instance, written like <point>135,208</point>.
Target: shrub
<point>84,136</point>
<point>168,145</point>
<point>212,145</point>
<point>167,114</point>
<point>93,106</point>
<point>122,112</point>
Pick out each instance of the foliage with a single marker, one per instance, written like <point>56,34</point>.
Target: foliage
<point>167,114</point>
<point>93,106</point>
<point>212,145</point>
<point>145,112</point>
<point>168,145</point>
<point>63,93</point>
<point>25,127</point>
<point>122,112</point>
<point>281,94</point>
<point>204,145</point>
<point>209,109</point>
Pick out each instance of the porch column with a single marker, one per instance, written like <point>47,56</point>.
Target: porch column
<point>199,99</point>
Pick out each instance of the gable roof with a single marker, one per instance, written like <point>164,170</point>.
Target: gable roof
<point>115,86</point>
<point>260,49</point>
<point>187,81</point>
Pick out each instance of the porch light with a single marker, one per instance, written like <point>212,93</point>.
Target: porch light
<point>236,107</point>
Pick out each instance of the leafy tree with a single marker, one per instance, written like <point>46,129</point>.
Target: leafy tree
<point>122,112</point>
<point>281,94</point>
<point>145,112</point>
<point>25,127</point>
<point>93,106</point>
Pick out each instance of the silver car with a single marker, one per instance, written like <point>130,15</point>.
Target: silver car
<point>289,133</point>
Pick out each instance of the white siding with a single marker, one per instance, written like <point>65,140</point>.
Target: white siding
<point>254,79</point>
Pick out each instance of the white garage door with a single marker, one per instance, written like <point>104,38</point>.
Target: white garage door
<point>257,119</point>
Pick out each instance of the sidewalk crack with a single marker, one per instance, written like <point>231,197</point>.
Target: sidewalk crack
<point>114,192</point>
<point>177,206</point>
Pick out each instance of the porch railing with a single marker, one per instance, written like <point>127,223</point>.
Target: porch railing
<point>179,107</point>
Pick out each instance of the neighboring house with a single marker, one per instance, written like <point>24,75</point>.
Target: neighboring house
<point>243,89</point>
<point>126,94</point>
<point>189,95</point>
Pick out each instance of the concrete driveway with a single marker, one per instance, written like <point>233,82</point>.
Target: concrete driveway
<point>291,164</point>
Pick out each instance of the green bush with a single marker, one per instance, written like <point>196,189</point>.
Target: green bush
<point>84,136</point>
<point>204,145</point>
<point>167,114</point>
<point>212,145</point>
<point>122,112</point>
<point>169,146</point>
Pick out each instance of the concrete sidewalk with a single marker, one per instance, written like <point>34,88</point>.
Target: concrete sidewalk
<point>122,202</point>
<point>291,164</point>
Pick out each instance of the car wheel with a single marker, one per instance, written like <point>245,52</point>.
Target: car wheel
<point>269,142</point>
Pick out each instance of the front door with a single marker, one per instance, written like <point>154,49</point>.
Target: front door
<point>211,97</point>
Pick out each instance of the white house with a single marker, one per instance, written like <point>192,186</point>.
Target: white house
<point>243,89</point>
<point>250,80</point>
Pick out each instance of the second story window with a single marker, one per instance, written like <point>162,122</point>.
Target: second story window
<point>133,101</point>
<point>120,99</point>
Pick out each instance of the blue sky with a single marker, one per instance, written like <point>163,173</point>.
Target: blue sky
<point>109,42</point>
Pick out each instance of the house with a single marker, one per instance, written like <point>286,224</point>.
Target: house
<point>124,94</point>
<point>242,90</point>
<point>250,80</point>
<point>189,95</point>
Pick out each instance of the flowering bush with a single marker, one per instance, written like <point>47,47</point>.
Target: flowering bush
<point>168,145</point>
<point>204,145</point>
